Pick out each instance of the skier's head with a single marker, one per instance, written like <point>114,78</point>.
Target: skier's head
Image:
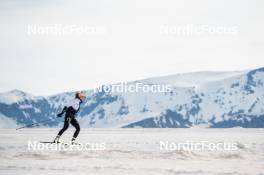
<point>81,95</point>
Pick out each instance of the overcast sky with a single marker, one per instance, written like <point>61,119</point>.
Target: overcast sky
<point>128,44</point>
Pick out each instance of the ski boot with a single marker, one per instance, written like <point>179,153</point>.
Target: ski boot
<point>73,141</point>
<point>57,139</point>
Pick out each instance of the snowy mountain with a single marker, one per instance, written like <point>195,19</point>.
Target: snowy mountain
<point>206,99</point>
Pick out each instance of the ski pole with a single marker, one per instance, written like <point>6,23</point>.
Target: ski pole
<point>32,124</point>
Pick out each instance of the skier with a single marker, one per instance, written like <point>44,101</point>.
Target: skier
<point>71,110</point>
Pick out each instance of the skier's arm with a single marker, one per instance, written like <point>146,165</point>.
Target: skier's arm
<point>63,111</point>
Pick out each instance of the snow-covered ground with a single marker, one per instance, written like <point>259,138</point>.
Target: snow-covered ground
<point>134,151</point>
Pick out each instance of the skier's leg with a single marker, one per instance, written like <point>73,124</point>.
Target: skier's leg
<point>65,126</point>
<point>75,123</point>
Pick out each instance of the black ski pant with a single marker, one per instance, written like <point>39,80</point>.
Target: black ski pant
<point>70,119</point>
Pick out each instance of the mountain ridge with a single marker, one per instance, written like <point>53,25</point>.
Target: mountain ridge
<point>225,99</point>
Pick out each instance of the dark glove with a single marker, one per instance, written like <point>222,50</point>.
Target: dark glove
<point>62,112</point>
<point>59,115</point>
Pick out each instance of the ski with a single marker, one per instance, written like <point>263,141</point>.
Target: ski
<point>60,143</point>
<point>55,143</point>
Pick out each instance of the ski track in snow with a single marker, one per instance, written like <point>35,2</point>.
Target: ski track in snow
<point>134,151</point>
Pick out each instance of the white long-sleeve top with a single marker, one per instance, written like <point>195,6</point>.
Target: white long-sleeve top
<point>75,104</point>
